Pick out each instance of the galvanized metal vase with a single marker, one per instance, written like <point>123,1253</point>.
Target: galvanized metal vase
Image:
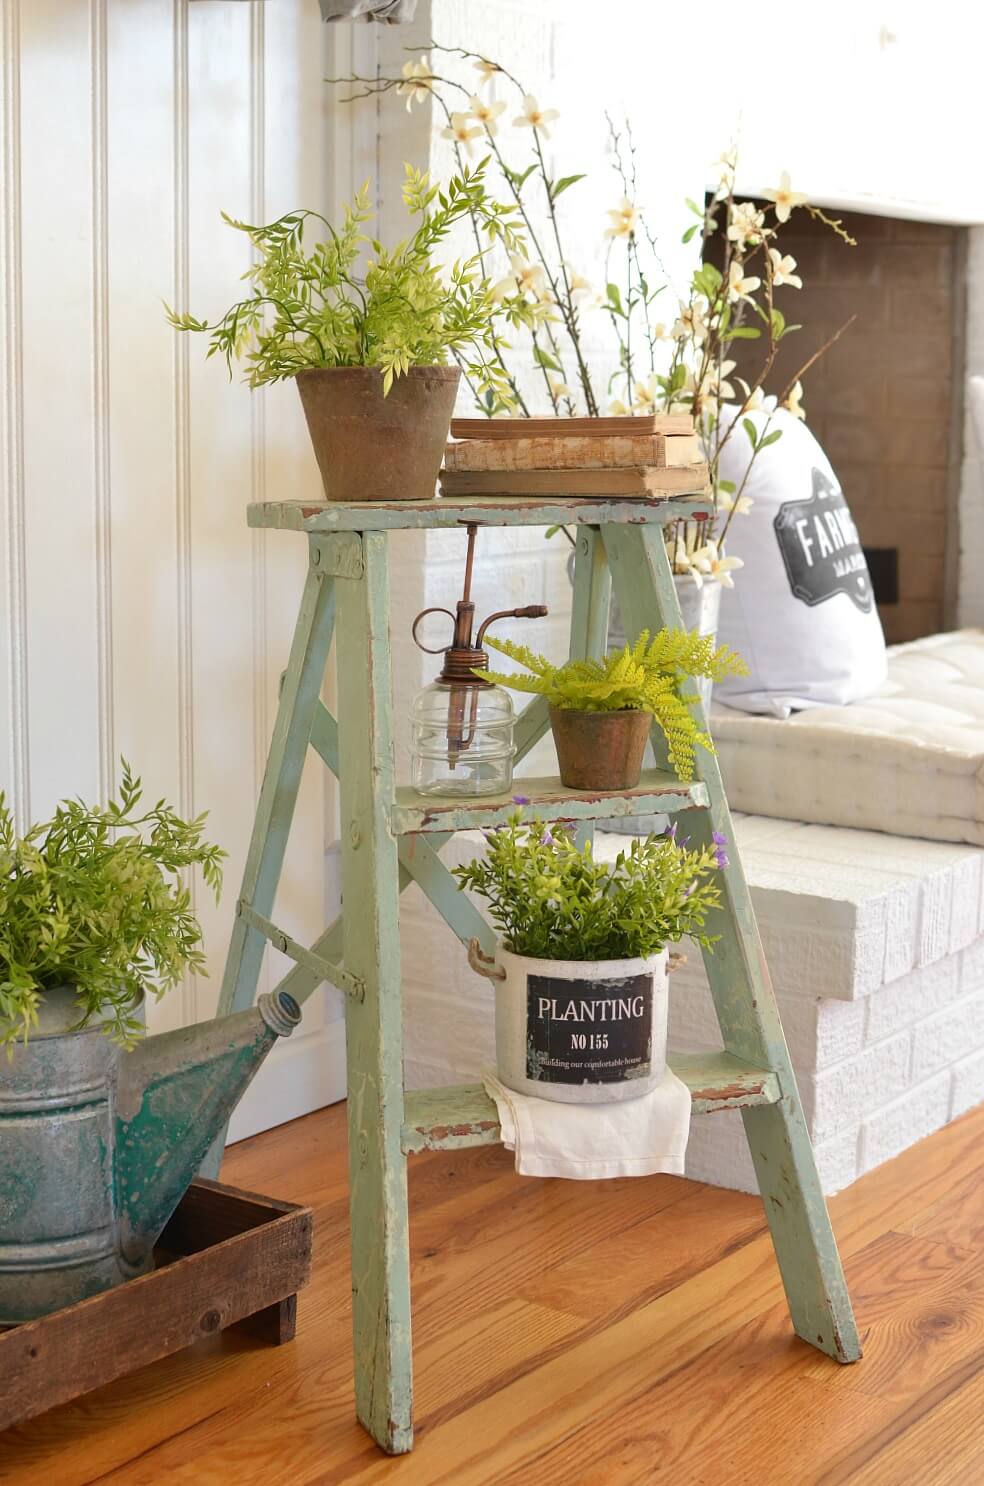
<point>98,1144</point>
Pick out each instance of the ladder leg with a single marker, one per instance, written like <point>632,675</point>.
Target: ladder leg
<point>746,1008</point>
<point>281,781</point>
<point>590,609</point>
<point>278,795</point>
<point>373,1027</point>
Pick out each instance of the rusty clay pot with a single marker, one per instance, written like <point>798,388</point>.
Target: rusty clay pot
<point>371,447</point>
<point>600,750</point>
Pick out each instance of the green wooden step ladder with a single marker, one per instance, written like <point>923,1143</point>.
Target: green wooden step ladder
<point>391,837</point>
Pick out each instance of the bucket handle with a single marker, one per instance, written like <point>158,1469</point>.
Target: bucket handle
<point>482,963</point>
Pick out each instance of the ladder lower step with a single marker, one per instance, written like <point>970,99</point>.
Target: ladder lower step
<point>657,793</point>
<point>464,1115</point>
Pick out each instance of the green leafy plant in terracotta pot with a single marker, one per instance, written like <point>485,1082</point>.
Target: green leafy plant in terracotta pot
<point>376,338</point>
<point>601,711</point>
<point>580,966</point>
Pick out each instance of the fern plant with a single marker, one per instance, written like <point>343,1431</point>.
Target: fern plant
<point>315,307</point>
<point>644,677</point>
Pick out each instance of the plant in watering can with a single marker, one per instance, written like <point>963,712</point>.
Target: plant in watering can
<point>94,916</point>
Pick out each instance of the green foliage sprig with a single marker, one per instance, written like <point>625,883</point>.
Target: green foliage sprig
<point>645,676</point>
<point>312,307</point>
<point>551,900</point>
<point>92,898</point>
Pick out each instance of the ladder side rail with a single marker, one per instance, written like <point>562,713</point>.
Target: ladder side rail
<point>746,1009</point>
<point>373,1026</point>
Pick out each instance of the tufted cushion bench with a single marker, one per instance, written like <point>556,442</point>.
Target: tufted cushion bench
<point>909,761</point>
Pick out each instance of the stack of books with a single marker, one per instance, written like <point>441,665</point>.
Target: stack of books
<point>657,455</point>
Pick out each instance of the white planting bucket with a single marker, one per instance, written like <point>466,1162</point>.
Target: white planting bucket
<point>578,1031</point>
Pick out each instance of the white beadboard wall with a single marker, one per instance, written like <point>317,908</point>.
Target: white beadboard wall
<point>140,616</point>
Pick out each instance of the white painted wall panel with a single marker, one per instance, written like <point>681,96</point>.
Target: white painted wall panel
<point>140,615</point>
<point>60,547</point>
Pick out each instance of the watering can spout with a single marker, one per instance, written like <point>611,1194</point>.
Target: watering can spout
<point>175,1094</point>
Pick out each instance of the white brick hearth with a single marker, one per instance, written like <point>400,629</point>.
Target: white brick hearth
<point>876,950</point>
<point>876,947</point>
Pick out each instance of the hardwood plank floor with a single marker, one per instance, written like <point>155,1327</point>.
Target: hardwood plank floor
<point>577,1334</point>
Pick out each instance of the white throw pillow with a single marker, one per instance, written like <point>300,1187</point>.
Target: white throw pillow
<point>802,611</point>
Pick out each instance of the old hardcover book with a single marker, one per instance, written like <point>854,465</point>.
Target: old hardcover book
<point>573,453</point>
<point>592,428</point>
<point>629,480</point>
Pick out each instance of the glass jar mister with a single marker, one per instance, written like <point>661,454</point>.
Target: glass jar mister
<point>462,726</point>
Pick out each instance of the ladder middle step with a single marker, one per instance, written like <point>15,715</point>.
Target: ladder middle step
<point>657,792</point>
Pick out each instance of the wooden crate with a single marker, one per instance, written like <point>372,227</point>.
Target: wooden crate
<point>226,1258</point>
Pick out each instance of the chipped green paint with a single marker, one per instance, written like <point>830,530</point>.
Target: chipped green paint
<point>97,1145</point>
<point>317,517</point>
<point>451,1118</point>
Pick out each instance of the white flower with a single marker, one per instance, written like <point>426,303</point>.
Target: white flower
<point>526,278</point>
<point>461,131</point>
<point>485,69</point>
<point>715,383</point>
<point>740,504</point>
<point>725,166</point>
<point>535,117</point>
<point>756,401</point>
<point>486,114</point>
<point>645,395</point>
<point>740,286</point>
<point>625,219</point>
<point>691,321</point>
<point>784,269</point>
<point>745,223</point>
<point>559,388</point>
<point>683,567</point>
<point>784,197</point>
<point>578,284</point>
<point>419,81</point>
<point>712,565</point>
<point>793,403</point>
<point>618,409</point>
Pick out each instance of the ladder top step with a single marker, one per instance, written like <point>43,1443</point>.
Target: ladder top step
<point>658,792</point>
<point>336,516</point>
<point>447,1119</point>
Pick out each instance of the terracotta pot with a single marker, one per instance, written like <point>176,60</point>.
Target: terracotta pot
<point>600,750</point>
<point>371,447</point>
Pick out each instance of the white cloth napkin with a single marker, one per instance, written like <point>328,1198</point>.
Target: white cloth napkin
<point>635,1137</point>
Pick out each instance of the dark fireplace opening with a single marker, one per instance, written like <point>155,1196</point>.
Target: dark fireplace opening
<point>885,401</point>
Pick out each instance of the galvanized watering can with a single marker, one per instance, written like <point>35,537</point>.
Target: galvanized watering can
<point>98,1144</point>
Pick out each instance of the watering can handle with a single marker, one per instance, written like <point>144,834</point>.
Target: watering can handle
<point>482,963</point>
